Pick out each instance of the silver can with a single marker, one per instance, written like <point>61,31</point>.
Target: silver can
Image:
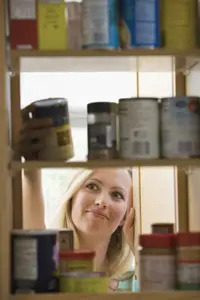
<point>180,127</point>
<point>139,128</point>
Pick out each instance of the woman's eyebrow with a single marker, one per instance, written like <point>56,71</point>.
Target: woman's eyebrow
<point>113,187</point>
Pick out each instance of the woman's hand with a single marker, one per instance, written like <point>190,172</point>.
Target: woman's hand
<point>129,228</point>
<point>32,134</point>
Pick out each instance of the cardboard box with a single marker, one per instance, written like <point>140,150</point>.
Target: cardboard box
<point>23,24</point>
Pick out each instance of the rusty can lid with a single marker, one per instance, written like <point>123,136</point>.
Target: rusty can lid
<point>188,239</point>
<point>157,240</point>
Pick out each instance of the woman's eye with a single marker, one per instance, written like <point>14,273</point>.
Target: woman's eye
<point>117,195</point>
<point>92,186</point>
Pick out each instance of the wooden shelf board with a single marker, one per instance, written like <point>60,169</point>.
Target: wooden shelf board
<point>16,165</point>
<point>116,296</point>
<point>89,53</point>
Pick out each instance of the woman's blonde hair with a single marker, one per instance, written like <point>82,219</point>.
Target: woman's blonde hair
<point>119,255</point>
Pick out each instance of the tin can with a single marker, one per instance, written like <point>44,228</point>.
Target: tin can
<point>102,130</point>
<point>140,23</point>
<point>180,127</point>
<point>179,24</point>
<point>100,24</point>
<point>57,143</point>
<point>157,262</point>
<point>76,261</point>
<point>188,261</point>
<point>34,261</point>
<point>84,282</point>
<point>139,128</point>
<point>66,240</point>
<point>163,228</point>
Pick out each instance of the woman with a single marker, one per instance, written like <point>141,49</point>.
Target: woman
<point>98,206</point>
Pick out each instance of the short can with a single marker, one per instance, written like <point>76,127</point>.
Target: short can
<point>100,24</point>
<point>34,261</point>
<point>140,23</point>
<point>139,128</point>
<point>180,127</point>
<point>57,139</point>
<point>83,282</point>
<point>76,261</point>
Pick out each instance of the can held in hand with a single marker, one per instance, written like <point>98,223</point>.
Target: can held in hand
<point>139,128</point>
<point>57,142</point>
<point>34,261</point>
<point>102,130</point>
<point>180,127</point>
<point>140,23</point>
<point>100,24</point>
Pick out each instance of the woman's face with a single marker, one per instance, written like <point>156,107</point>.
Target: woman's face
<point>100,205</point>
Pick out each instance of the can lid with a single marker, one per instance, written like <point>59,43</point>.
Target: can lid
<point>50,108</point>
<point>77,254</point>
<point>138,98</point>
<point>188,239</point>
<point>102,107</point>
<point>157,240</point>
<point>30,232</point>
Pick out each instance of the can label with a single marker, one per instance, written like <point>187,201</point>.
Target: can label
<point>180,123</point>
<point>57,143</point>
<point>157,272</point>
<point>138,126</point>
<point>189,276</point>
<point>25,259</point>
<point>100,23</point>
<point>140,23</point>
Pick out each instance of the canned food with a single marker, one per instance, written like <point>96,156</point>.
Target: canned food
<point>84,282</point>
<point>163,228</point>
<point>100,24</point>
<point>102,130</point>
<point>76,261</point>
<point>66,240</point>
<point>139,128</point>
<point>179,26</point>
<point>140,23</point>
<point>57,144</point>
<point>34,261</point>
<point>180,127</point>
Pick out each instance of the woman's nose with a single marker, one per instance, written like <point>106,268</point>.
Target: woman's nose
<point>102,200</point>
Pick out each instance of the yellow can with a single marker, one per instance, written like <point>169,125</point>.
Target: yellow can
<point>179,24</point>
<point>83,282</point>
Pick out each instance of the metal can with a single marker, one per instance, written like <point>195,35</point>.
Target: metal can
<point>57,143</point>
<point>34,261</point>
<point>163,228</point>
<point>140,23</point>
<point>100,24</point>
<point>188,261</point>
<point>84,282</point>
<point>102,130</point>
<point>179,24</point>
<point>76,261</point>
<point>139,128</point>
<point>66,239</point>
<point>180,127</point>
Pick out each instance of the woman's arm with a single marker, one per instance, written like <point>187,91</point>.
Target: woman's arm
<point>33,204</point>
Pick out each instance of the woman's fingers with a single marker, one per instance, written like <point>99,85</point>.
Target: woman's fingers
<point>130,219</point>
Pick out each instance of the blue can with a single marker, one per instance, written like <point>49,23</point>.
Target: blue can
<point>140,23</point>
<point>100,24</point>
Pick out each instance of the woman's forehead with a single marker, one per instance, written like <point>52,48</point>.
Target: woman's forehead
<point>113,176</point>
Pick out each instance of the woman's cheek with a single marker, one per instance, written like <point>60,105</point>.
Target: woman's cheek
<point>118,212</point>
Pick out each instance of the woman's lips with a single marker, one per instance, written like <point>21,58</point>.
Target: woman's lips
<point>98,214</point>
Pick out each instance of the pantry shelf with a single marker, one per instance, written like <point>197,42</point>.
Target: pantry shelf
<point>17,165</point>
<point>15,54</point>
<point>129,296</point>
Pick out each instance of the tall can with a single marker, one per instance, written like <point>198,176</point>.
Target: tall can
<point>34,261</point>
<point>102,130</point>
<point>179,24</point>
<point>57,139</point>
<point>180,127</point>
<point>140,23</point>
<point>100,24</point>
<point>139,128</point>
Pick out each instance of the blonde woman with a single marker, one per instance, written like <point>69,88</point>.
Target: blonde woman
<point>98,206</point>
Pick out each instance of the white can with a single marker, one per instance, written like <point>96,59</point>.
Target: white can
<point>139,128</point>
<point>180,127</point>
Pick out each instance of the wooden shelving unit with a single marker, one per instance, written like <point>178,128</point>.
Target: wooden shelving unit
<point>29,165</point>
<point>11,208</point>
